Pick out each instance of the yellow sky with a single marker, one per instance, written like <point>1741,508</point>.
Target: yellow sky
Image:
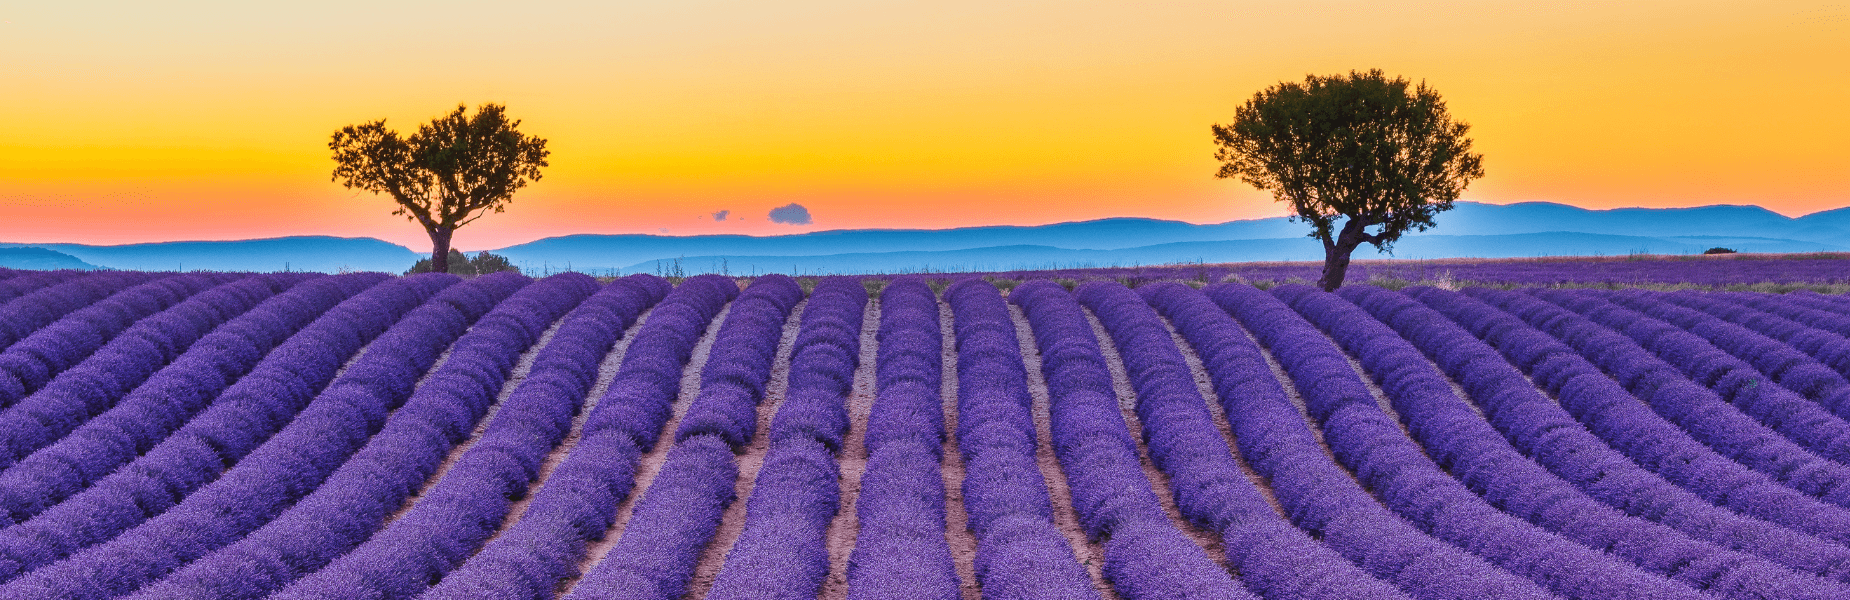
<point>124,122</point>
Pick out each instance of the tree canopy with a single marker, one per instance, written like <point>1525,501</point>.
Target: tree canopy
<point>452,171</point>
<point>1381,153</point>
<point>481,263</point>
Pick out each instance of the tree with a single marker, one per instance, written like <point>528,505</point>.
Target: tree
<point>1379,152</point>
<point>454,170</point>
<point>482,263</point>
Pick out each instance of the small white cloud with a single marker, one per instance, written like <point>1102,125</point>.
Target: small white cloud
<point>721,215</point>
<point>790,214</point>
<point>664,230</point>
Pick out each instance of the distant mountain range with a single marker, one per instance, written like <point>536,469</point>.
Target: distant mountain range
<point>1469,230</point>
<point>301,253</point>
<point>41,259</point>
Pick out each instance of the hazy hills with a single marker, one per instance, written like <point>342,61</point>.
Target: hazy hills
<point>300,253</point>
<point>41,259</point>
<point>1029,257</point>
<point>1469,230</point>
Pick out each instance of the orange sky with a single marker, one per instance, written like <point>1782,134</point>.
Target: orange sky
<point>128,122</point>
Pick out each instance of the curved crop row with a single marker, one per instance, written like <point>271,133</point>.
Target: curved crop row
<point>1679,395</point>
<point>239,420</point>
<point>1365,437</point>
<point>474,498</point>
<point>822,364</point>
<point>352,503</point>
<point>280,471</point>
<point>580,497</point>
<point>29,363</point>
<point>1020,554</point>
<point>900,550</point>
<point>1690,541</point>
<point>781,552</point>
<point>1609,543</point>
<point>1146,556</point>
<point>1703,354</point>
<point>26,314</point>
<point>1318,495</point>
<point>680,512</point>
<point>1627,346</point>
<point>24,282</point>
<point>641,397</point>
<point>1802,345</point>
<point>362,461</point>
<point>1832,303</point>
<point>244,316</point>
<point>1272,557</point>
<point>1802,308</point>
<point>1549,435</point>
<point>1823,335</point>
<point>739,364</point>
<point>1617,417</point>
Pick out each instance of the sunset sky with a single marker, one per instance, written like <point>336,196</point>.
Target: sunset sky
<point>132,121</point>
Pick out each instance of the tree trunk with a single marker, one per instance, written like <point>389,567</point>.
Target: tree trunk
<point>440,249</point>
<point>1335,265</point>
<point>1336,253</point>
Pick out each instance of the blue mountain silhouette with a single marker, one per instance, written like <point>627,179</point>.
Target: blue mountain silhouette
<point>1470,230</point>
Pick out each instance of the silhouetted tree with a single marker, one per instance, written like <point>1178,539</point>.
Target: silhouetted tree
<point>1719,250</point>
<point>1379,152</point>
<point>455,169</point>
<point>482,263</point>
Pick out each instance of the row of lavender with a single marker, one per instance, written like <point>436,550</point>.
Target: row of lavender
<point>275,436</point>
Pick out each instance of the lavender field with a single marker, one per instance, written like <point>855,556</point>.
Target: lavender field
<point>1060,436</point>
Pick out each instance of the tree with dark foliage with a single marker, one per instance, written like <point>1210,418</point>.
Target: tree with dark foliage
<point>1381,153</point>
<point>455,169</point>
<point>482,263</point>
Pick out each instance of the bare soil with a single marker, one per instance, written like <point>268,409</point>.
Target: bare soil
<point>1159,481</point>
<point>1205,383</point>
<point>1296,398</point>
<point>732,523</point>
<point>1091,555</point>
<point>957,521</point>
<point>853,460</point>
<point>651,462</point>
<point>515,377</point>
<point>606,371</point>
<point>1374,389</point>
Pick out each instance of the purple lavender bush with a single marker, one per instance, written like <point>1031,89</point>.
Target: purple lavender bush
<point>1020,554</point>
<point>1145,555</point>
<point>900,550</point>
<point>782,553</point>
<point>576,504</point>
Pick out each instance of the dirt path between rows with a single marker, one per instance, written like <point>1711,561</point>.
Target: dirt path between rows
<point>1296,398</point>
<point>957,520</point>
<point>521,366</point>
<point>1218,413</point>
<point>853,461</point>
<point>1374,389</point>
<point>1091,555</point>
<point>651,462</point>
<point>353,360</point>
<point>606,370</point>
<point>732,522</point>
<point>1159,481</point>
